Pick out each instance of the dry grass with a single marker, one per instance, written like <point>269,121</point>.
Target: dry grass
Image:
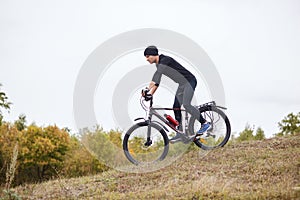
<point>267,169</point>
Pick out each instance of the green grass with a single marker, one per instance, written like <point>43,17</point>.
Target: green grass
<point>267,169</point>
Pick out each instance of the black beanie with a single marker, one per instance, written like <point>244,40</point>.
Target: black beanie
<point>151,51</point>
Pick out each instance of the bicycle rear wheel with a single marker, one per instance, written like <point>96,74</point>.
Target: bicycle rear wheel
<point>219,133</point>
<point>140,150</point>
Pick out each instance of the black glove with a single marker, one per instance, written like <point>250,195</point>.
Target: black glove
<point>148,97</point>
<point>145,91</point>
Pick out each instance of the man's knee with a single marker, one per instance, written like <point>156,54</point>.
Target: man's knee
<point>187,106</point>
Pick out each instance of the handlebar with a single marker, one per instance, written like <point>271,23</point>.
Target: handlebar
<point>146,97</point>
<point>142,102</point>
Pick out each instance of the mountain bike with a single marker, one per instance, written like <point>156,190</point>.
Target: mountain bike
<point>147,141</point>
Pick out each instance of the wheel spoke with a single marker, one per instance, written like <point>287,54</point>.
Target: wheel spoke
<point>139,153</point>
<point>219,132</point>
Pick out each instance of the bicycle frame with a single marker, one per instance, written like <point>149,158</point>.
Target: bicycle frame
<point>150,112</point>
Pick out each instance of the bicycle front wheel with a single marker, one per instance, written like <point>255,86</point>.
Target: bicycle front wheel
<point>219,133</point>
<point>145,143</point>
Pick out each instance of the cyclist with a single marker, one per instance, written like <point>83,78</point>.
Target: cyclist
<point>169,67</point>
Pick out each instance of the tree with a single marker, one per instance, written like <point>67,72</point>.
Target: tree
<point>43,150</point>
<point>97,142</point>
<point>246,134</point>
<point>21,122</point>
<point>4,104</point>
<point>290,124</point>
<point>80,162</point>
<point>260,134</point>
<point>8,138</point>
<point>115,137</point>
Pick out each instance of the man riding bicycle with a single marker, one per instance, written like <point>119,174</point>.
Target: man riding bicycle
<point>169,67</point>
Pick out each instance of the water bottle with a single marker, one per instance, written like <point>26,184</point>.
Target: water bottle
<point>174,122</point>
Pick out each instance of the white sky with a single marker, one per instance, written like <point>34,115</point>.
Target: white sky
<point>255,45</point>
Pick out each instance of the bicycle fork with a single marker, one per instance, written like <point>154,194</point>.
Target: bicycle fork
<point>149,141</point>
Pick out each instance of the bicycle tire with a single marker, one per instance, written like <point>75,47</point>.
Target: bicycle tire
<point>214,137</point>
<point>134,145</point>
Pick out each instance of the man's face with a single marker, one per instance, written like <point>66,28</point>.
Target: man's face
<point>151,59</point>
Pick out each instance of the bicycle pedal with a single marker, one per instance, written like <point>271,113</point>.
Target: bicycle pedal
<point>199,135</point>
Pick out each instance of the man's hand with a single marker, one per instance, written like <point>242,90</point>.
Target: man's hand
<point>145,91</point>
<point>148,97</point>
<point>146,94</point>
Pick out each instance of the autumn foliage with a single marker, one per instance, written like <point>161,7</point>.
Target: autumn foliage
<point>46,152</point>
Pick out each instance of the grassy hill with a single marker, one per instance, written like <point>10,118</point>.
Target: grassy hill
<point>267,169</point>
